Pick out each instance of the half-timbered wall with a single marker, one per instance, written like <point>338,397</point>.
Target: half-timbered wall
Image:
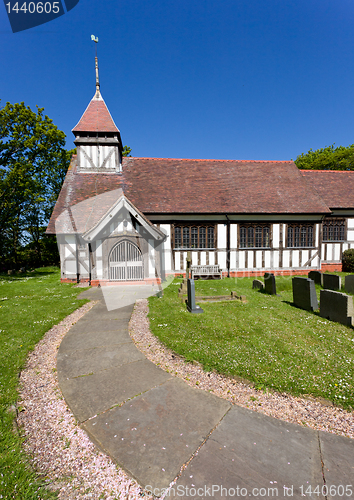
<point>93,157</point>
<point>276,255</point>
<point>331,251</point>
<point>166,259</point>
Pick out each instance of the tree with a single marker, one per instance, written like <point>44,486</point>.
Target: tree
<point>33,164</point>
<point>126,151</point>
<point>328,158</point>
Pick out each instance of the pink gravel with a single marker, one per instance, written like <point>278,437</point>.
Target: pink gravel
<point>75,468</point>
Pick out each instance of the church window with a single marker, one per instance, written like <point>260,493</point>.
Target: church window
<point>333,229</point>
<point>254,236</point>
<point>300,235</point>
<point>199,237</point>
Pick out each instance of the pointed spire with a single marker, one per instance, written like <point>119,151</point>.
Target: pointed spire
<point>98,94</point>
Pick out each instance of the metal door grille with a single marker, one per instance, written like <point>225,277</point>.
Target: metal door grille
<point>126,262</point>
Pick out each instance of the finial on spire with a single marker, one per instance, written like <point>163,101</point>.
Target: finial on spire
<point>95,39</point>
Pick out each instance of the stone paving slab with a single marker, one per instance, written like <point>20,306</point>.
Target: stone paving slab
<point>100,311</point>
<point>92,394</point>
<point>94,339</point>
<point>93,293</point>
<point>84,361</point>
<point>251,450</point>
<point>338,463</point>
<point>98,326</point>
<point>123,295</point>
<point>154,434</point>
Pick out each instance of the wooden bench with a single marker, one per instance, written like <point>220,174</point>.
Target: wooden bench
<point>207,271</point>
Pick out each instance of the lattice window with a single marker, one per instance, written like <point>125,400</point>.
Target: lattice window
<point>300,235</point>
<point>333,229</point>
<point>201,237</point>
<point>254,236</point>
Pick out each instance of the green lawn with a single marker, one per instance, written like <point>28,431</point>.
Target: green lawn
<point>30,304</point>
<point>267,340</point>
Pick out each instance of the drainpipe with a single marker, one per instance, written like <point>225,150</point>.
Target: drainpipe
<point>228,252</point>
<point>89,256</point>
<point>77,260</point>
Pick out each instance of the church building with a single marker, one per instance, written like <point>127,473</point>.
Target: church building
<point>121,219</point>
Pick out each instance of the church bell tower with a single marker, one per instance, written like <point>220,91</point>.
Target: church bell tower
<point>97,138</point>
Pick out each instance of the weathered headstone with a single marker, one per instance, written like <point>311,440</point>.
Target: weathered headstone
<point>269,284</point>
<point>258,285</point>
<point>331,281</point>
<point>337,306</point>
<point>183,288</point>
<point>189,263</point>
<point>316,276</point>
<point>242,298</point>
<point>304,293</point>
<point>349,283</point>
<point>191,305</point>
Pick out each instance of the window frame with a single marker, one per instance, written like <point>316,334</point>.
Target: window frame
<point>187,234</point>
<point>252,226</point>
<point>331,222</point>
<point>300,226</point>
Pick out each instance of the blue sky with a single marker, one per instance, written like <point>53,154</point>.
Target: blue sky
<point>232,79</point>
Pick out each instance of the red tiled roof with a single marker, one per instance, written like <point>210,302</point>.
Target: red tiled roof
<point>96,118</point>
<point>175,186</point>
<point>335,187</point>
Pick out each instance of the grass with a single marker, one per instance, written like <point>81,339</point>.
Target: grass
<point>30,304</point>
<point>267,341</point>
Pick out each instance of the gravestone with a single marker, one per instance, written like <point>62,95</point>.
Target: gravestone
<point>304,293</point>
<point>183,288</point>
<point>316,276</point>
<point>337,306</point>
<point>269,284</point>
<point>189,263</point>
<point>258,285</point>
<point>331,281</point>
<point>349,283</point>
<point>191,305</point>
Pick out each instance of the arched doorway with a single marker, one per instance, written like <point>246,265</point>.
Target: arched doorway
<point>126,262</point>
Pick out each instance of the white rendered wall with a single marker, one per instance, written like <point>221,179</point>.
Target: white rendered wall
<point>194,256</point>
<point>222,260</point>
<point>167,253</point>
<point>286,258</point>
<point>276,235</point>
<point>242,259</point>
<point>233,235</point>
<point>221,240</point>
<point>99,267</point>
<point>337,255</point>
<point>267,259</point>
<point>276,259</point>
<point>350,223</point>
<point>151,258</point>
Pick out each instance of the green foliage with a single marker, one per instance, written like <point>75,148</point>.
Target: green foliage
<point>33,164</point>
<point>348,260</point>
<point>126,151</point>
<point>37,301</point>
<point>266,340</point>
<point>328,158</point>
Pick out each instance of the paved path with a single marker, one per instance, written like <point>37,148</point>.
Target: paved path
<point>151,423</point>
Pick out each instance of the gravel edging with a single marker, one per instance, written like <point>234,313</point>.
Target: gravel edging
<point>298,410</point>
<point>61,451</point>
